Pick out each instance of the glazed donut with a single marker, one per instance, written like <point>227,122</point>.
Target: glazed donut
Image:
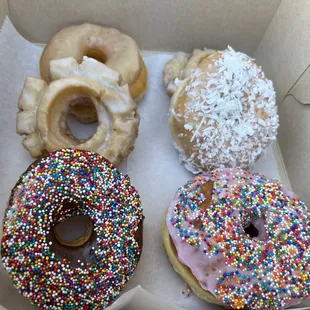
<point>193,63</point>
<point>117,50</point>
<point>181,66</point>
<point>224,114</point>
<point>43,112</point>
<point>240,239</point>
<point>172,71</point>
<point>62,185</point>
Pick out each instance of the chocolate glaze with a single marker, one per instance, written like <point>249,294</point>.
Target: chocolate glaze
<point>83,253</point>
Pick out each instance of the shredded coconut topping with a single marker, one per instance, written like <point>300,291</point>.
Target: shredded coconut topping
<point>230,115</point>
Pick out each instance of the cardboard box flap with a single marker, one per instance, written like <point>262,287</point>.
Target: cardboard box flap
<point>163,25</point>
<point>301,89</point>
<point>294,141</point>
<point>3,11</point>
<point>284,51</point>
<point>139,299</point>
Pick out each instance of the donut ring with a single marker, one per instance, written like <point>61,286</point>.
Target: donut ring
<point>224,114</point>
<point>89,68</point>
<point>240,239</point>
<point>44,110</point>
<point>61,185</point>
<point>111,47</point>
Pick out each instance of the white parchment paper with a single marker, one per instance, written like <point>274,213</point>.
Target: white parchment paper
<point>153,167</point>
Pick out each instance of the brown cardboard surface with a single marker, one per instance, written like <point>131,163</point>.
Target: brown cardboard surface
<point>155,24</point>
<point>300,90</point>
<point>285,48</point>
<point>294,142</point>
<point>284,53</point>
<point>3,10</point>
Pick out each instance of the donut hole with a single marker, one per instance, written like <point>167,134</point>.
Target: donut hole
<point>82,118</point>
<point>251,231</point>
<point>255,228</point>
<point>72,129</point>
<point>75,240</point>
<point>96,54</point>
<point>74,231</point>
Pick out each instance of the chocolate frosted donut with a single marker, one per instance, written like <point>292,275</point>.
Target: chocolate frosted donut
<point>82,273</point>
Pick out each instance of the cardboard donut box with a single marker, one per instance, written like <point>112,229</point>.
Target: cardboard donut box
<point>274,32</point>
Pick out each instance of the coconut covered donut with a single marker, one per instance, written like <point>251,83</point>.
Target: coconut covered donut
<point>43,110</point>
<point>240,240</point>
<point>111,47</point>
<point>82,274</point>
<point>224,114</point>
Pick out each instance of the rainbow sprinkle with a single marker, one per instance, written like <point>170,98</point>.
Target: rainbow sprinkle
<point>98,190</point>
<point>270,271</point>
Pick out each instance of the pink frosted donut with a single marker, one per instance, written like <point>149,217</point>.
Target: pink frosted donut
<point>250,246</point>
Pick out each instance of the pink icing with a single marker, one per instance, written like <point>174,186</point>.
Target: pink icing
<point>205,266</point>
